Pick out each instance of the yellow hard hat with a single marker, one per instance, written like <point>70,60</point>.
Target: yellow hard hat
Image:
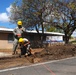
<point>19,23</point>
<point>21,40</point>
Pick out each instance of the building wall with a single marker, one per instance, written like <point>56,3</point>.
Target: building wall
<point>54,38</point>
<point>35,39</point>
<point>4,41</point>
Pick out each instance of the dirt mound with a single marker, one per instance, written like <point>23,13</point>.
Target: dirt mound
<point>56,52</point>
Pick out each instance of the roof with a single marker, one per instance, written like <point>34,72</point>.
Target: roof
<point>33,31</point>
<point>5,29</point>
<point>55,33</point>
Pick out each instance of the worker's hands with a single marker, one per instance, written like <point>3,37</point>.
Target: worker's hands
<point>21,28</point>
<point>25,44</point>
<point>18,34</point>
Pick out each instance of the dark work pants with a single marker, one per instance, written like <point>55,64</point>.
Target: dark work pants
<point>23,50</point>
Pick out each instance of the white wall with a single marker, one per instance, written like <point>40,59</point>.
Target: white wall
<point>54,38</point>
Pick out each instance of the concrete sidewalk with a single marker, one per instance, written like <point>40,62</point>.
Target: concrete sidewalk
<point>2,54</point>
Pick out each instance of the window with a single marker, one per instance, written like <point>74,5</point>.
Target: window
<point>10,38</point>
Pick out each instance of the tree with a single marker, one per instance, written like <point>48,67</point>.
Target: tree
<point>58,13</point>
<point>68,12</point>
<point>30,12</point>
<point>64,17</point>
<point>51,28</point>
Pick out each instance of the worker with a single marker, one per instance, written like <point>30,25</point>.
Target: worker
<point>24,46</point>
<point>18,33</point>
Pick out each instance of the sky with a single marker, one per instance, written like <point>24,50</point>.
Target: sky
<point>4,13</point>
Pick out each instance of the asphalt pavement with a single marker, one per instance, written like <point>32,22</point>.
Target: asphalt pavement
<point>56,67</point>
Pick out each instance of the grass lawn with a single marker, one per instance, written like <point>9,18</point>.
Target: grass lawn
<point>73,42</point>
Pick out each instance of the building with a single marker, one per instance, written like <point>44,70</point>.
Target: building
<point>74,34</point>
<point>6,37</point>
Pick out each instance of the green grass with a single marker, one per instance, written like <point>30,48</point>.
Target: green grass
<point>73,42</point>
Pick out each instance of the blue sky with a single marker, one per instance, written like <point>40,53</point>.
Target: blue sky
<point>4,13</point>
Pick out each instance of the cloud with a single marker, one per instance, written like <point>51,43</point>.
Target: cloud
<point>9,9</point>
<point>4,17</point>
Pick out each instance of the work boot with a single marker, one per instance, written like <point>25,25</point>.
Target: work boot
<point>20,56</point>
<point>26,54</point>
<point>13,53</point>
<point>16,52</point>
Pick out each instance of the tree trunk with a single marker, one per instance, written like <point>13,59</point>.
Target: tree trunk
<point>66,38</point>
<point>42,36</point>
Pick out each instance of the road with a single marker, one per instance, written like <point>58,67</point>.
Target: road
<point>57,67</point>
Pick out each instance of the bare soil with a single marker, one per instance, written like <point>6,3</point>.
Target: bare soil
<point>54,52</point>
